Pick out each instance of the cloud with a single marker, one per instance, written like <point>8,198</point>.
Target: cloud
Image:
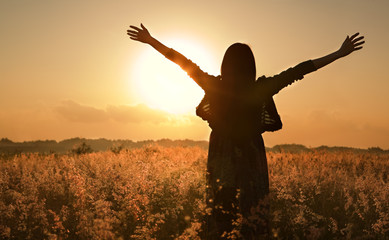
<point>137,122</point>
<point>136,114</point>
<point>71,119</point>
<point>330,127</point>
<point>75,112</point>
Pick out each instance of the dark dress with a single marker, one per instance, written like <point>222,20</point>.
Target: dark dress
<point>237,173</point>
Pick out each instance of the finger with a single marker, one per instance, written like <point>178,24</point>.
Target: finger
<point>143,27</point>
<point>357,39</point>
<point>353,36</point>
<point>132,35</point>
<point>134,38</point>
<point>358,48</point>
<point>131,31</point>
<point>359,43</point>
<point>136,28</point>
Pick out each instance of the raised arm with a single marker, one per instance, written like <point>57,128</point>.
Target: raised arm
<point>203,79</point>
<point>272,85</point>
<point>144,36</point>
<point>349,45</point>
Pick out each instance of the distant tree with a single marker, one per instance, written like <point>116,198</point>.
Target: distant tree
<point>5,140</point>
<point>375,149</point>
<point>117,149</point>
<point>291,148</point>
<point>83,148</point>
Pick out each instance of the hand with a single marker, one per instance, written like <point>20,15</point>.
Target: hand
<point>351,44</point>
<point>141,35</point>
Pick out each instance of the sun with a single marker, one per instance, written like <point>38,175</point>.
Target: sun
<point>161,84</point>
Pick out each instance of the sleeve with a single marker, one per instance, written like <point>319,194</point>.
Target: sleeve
<point>203,79</point>
<point>273,85</point>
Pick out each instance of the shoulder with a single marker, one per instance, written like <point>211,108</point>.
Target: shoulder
<point>261,78</point>
<point>213,83</point>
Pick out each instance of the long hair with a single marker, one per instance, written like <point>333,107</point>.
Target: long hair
<point>226,109</point>
<point>238,66</point>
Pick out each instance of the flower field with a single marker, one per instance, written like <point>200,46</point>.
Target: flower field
<point>159,193</point>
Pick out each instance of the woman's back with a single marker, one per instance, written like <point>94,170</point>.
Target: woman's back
<point>238,109</point>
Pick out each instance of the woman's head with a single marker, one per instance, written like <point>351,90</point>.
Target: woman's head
<point>238,66</point>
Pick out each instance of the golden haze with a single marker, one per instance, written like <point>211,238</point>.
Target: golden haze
<point>67,68</point>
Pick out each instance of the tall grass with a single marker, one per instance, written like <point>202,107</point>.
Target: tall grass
<point>158,193</point>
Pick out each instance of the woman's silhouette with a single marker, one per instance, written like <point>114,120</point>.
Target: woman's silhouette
<point>239,108</point>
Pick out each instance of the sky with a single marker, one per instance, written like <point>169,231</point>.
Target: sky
<point>68,69</point>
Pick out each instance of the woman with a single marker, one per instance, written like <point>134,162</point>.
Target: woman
<point>239,108</point>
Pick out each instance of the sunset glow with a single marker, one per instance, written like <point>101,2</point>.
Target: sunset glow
<point>68,69</point>
<point>163,85</point>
